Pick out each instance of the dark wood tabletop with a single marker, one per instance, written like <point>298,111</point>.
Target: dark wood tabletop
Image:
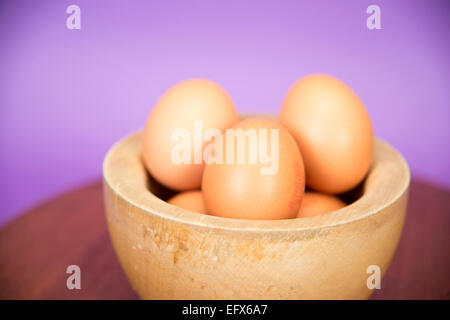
<point>37,247</point>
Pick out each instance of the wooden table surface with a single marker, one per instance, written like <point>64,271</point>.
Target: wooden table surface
<point>37,247</point>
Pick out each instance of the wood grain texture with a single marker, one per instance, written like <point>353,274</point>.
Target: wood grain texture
<point>171,253</point>
<point>36,248</point>
<point>421,266</point>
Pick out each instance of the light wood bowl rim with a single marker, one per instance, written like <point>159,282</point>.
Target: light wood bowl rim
<point>124,173</point>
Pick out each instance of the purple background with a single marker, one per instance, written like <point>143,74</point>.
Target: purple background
<point>67,95</point>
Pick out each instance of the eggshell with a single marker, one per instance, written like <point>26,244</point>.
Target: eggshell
<point>190,200</point>
<point>314,204</point>
<point>333,131</point>
<point>241,191</point>
<point>179,108</point>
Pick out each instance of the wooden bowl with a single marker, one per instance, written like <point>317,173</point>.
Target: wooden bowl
<point>171,253</point>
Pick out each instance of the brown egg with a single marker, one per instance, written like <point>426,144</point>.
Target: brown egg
<point>333,131</point>
<point>314,204</point>
<point>173,138</point>
<point>262,178</point>
<point>190,200</point>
